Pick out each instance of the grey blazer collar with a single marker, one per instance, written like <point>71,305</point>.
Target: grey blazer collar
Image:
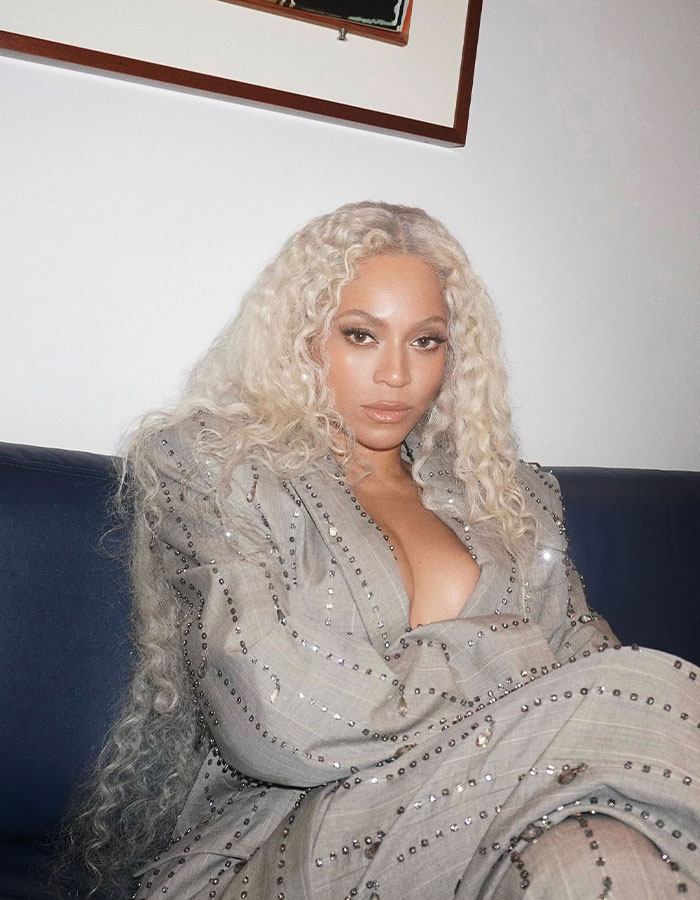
<point>361,553</point>
<point>361,550</point>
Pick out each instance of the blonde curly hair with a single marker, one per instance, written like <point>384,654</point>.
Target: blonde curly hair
<point>264,388</point>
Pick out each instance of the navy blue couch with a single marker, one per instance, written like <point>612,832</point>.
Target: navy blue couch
<point>64,646</point>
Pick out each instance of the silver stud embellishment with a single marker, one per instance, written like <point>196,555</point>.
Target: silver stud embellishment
<point>483,738</point>
<point>403,706</point>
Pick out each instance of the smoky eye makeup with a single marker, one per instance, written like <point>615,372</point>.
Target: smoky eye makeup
<point>434,339</point>
<point>356,333</point>
<point>428,343</point>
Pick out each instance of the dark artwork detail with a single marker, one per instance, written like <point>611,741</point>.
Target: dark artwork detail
<point>382,13</point>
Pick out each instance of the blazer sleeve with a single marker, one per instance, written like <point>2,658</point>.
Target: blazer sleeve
<point>286,701</point>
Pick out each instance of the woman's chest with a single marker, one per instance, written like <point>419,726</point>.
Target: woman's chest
<point>356,576</point>
<point>437,572</point>
<point>340,568</point>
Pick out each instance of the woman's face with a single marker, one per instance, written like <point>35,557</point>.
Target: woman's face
<point>387,349</point>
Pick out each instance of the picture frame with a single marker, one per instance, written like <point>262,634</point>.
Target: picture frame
<point>421,90</point>
<point>395,35</point>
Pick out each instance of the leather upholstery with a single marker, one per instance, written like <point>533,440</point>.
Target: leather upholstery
<point>64,652</point>
<point>634,535</point>
<point>64,648</point>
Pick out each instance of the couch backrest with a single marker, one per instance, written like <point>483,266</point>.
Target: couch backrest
<point>635,537</point>
<point>64,648</point>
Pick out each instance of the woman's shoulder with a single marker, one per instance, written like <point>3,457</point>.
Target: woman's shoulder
<point>194,452</point>
<point>176,448</point>
<point>542,500</point>
<point>189,451</point>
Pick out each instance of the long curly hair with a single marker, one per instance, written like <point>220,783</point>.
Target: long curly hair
<point>263,385</point>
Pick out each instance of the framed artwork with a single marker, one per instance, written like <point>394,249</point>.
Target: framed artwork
<point>235,49</point>
<point>384,20</point>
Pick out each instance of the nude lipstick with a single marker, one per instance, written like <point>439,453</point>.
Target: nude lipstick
<point>386,411</point>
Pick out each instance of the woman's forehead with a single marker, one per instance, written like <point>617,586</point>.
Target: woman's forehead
<point>396,291</point>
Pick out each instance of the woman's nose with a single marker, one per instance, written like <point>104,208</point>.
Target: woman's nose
<point>393,367</point>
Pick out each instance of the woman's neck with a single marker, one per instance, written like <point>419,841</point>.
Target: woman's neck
<point>385,468</point>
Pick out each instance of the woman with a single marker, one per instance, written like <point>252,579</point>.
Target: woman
<point>367,668</point>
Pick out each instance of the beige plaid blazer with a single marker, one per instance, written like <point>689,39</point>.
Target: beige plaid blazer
<point>354,757</point>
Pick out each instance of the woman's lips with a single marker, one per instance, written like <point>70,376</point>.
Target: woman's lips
<point>386,412</point>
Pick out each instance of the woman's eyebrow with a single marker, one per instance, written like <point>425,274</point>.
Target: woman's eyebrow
<point>376,320</point>
<point>433,320</point>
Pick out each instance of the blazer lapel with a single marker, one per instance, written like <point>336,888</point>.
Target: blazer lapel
<point>498,590</point>
<point>362,555</point>
<point>368,567</point>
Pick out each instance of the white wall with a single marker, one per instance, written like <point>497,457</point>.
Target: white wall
<point>133,216</point>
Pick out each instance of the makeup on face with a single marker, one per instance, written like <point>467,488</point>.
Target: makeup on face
<point>387,349</point>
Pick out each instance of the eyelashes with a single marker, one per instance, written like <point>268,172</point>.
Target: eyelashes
<point>433,340</point>
<point>362,337</point>
<point>358,335</point>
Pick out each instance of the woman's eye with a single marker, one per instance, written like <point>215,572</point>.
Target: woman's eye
<point>429,342</point>
<point>358,336</point>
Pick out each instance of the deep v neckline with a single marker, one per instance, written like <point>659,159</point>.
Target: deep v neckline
<point>377,540</point>
<point>438,574</point>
